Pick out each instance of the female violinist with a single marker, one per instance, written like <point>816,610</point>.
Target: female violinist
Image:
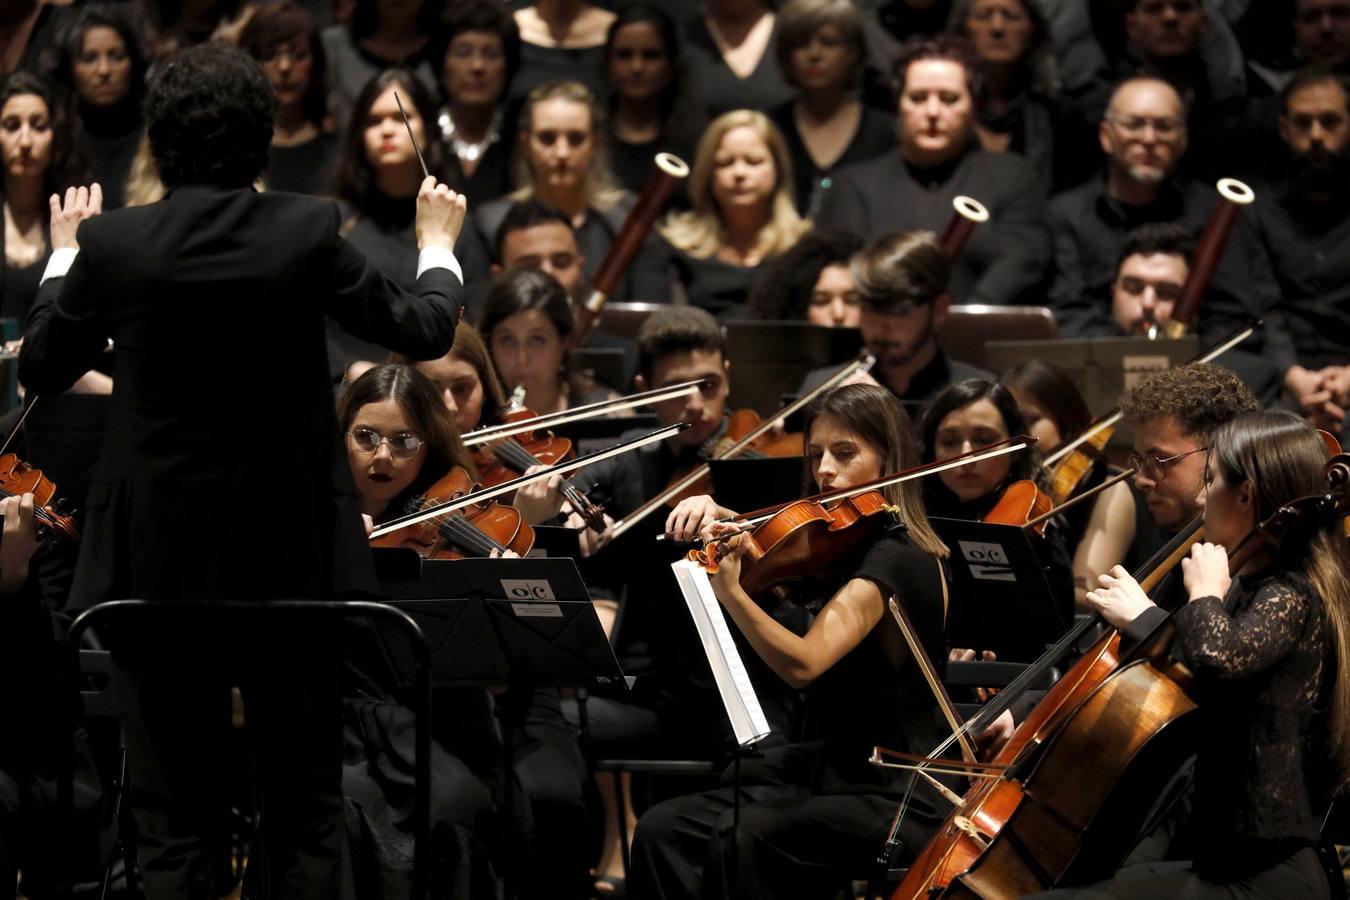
<point>1094,530</point>
<point>970,415</point>
<point>1270,651</point>
<point>814,811</point>
<point>400,438</point>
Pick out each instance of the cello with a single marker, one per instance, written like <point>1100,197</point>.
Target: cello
<point>1059,820</point>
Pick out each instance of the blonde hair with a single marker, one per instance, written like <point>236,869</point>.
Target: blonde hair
<point>143,184</point>
<point>699,232</point>
<point>600,188</point>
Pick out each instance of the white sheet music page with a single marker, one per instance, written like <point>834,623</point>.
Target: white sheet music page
<point>733,682</point>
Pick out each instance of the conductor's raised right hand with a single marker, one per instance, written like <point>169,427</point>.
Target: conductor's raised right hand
<point>81,203</point>
<point>440,215</point>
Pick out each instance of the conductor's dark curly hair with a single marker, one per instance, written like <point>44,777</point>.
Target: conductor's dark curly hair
<point>209,113</point>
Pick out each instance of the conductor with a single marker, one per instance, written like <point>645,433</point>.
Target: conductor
<point>223,477</point>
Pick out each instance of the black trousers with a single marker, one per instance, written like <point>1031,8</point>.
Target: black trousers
<point>175,684</point>
<point>791,843</point>
<point>1298,877</point>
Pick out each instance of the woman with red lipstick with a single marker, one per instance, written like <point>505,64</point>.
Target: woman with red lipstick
<point>283,39</point>
<point>821,50</point>
<point>969,416</point>
<point>743,214</point>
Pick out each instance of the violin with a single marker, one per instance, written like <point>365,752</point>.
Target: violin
<point>741,424</point>
<point>1023,504</point>
<point>17,478</point>
<point>507,458</point>
<point>474,531</point>
<point>804,540</point>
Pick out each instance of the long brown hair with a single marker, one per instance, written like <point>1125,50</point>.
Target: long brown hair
<point>1283,458</point>
<point>421,403</point>
<point>470,348</point>
<point>873,414</point>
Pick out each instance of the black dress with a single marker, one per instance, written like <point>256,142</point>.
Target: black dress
<point>114,136</point>
<point>539,64</point>
<point>303,168</point>
<point>815,813</point>
<point>875,136</point>
<point>720,287</point>
<point>723,90</point>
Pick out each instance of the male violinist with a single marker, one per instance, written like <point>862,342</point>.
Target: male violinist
<point>194,441</point>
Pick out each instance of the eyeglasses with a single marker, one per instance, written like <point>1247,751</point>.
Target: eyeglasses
<point>368,440</point>
<point>1156,467</point>
<point>1163,127</point>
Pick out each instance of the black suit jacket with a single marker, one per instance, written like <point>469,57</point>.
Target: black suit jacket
<point>223,475</point>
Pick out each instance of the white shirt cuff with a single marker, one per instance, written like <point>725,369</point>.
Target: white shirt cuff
<point>436,257</point>
<point>60,262</point>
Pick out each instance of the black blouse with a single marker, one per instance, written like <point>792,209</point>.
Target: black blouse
<point>722,89</point>
<point>303,168</point>
<point>875,137</point>
<point>1258,657</point>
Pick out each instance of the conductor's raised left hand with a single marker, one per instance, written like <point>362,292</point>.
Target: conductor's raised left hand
<point>80,203</point>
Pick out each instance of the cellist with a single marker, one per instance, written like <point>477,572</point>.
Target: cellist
<point>814,812</point>
<point>1270,651</point>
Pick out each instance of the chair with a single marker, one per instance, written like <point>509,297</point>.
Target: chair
<point>115,609</point>
<point>969,326</point>
<point>101,703</point>
<point>625,319</point>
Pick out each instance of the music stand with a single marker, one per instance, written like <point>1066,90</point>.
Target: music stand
<point>769,358</point>
<point>604,364</point>
<point>1000,599</point>
<point>746,484</point>
<point>1101,367</point>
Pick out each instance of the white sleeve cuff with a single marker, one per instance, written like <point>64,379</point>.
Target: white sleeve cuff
<point>60,262</point>
<point>436,257</point>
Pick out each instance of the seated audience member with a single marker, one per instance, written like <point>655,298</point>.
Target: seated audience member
<point>968,416</point>
<point>562,163</point>
<point>821,48</point>
<point>101,63</point>
<point>560,39</point>
<point>43,153</point>
<point>741,192</point>
<point>903,282</point>
<point>378,177</point>
<point>651,104</point>
<point>536,236</point>
<point>1304,229</point>
<point>282,38</point>
<point>1017,107</point>
<point>939,158</point>
<point>379,36</point>
<point>527,323</point>
<point>480,57</point>
<point>1166,39</point>
<point>730,48</point>
<point>812,281</point>
<point>1143,137</point>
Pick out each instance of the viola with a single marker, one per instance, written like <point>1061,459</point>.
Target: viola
<point>1023,504</point>
<point>474,531</point>
<point>17,478</point>
<point>500,461</point>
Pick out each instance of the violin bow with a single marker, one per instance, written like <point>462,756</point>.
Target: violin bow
<point>863,363</point>
<point>507,487</point>
<point>579,413</point>
<point>19,424</point>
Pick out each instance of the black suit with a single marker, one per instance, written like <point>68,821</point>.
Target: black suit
<point>223,477</point>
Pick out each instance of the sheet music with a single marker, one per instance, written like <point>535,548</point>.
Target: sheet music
<point>733,682</point>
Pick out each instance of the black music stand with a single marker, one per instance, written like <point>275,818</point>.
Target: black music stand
<point>770,358</point>
<point>590,435</point>
<point>1000,599</point>
<point>744,484</point>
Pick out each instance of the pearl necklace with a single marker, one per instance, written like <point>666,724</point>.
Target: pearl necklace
<point>470,151</point>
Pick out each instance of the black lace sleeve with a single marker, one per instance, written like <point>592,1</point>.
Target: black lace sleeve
<point>1234,646</point>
